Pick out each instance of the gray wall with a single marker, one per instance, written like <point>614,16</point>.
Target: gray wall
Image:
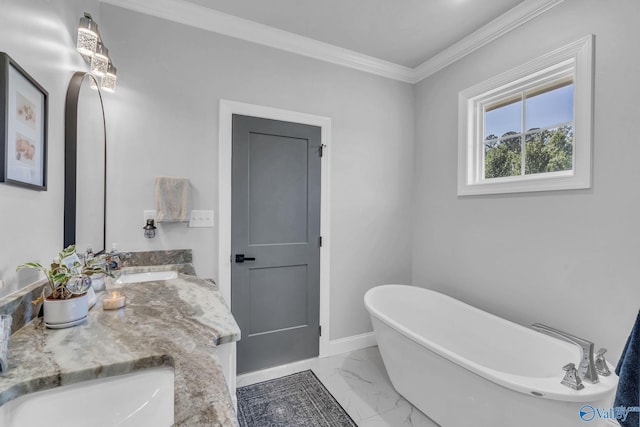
<point>163,120</point>
<point>567,258</point>
<point>40,36</point>
<point>570,258</point>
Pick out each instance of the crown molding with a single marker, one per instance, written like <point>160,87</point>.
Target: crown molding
<point>211,20</point>
<point>201,17</point>
<point>510,20</point>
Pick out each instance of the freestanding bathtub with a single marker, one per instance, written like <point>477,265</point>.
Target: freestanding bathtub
<point>464,367</point>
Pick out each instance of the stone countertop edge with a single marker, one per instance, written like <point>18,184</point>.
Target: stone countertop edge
<point>187,269</point>
<point>174,323</point>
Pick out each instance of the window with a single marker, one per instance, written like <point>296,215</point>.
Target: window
<point>530,128</point>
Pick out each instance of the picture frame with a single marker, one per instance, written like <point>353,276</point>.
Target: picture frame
<point>23,127</point>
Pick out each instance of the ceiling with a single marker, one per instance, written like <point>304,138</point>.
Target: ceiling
<point>405,40</point>
<point>405,32</point>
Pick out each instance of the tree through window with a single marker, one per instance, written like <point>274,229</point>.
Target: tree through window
<point>531,133</point>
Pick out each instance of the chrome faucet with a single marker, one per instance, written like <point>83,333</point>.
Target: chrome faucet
<point>571,378</point>
<point>601,363</point>
<point>587,367</point>
<point>114,260</point>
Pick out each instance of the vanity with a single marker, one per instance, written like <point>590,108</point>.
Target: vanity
<point>179,326</point>
<point>180,323</point>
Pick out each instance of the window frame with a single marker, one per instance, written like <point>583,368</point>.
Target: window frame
<point>574,60</point>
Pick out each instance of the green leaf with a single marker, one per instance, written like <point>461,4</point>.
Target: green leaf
<point>31,265</point>
<point>69,250</point>
<point>92,270</point>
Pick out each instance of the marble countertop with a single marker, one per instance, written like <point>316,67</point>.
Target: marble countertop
<point>174,323</point>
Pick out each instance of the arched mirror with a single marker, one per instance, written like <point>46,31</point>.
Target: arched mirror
<point>85,180</point>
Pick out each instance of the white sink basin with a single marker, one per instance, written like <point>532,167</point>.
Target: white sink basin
<point>149,276</point>
<point>139,399</point>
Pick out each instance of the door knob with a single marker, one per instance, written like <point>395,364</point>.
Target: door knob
<point>241,258</point>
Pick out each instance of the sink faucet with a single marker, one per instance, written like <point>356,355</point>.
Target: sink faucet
<point>114,260</point>
<point>587,367</point>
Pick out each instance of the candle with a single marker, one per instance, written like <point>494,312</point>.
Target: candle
<point>113,300</point>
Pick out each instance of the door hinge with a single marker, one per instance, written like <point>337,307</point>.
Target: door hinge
<point>321,150</point>
<point>320,330</point>
<point>320,241</point>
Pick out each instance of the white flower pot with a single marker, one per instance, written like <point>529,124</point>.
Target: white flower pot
<point>65,313</point>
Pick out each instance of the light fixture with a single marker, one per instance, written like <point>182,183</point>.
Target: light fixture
<point>149,229</point>
<point>96,54</point>
<point>108,82</point>
<point>100,60</point>
<point>87,42</point>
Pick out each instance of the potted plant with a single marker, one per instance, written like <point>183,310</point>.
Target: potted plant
<point>66,303</point>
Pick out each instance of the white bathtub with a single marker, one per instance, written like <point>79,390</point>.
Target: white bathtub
<point>464,367</point>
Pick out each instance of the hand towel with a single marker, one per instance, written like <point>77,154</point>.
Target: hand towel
<point>173,199</point>
<point>628,371</point>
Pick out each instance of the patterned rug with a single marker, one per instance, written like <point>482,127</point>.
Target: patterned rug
<point>297,400</point>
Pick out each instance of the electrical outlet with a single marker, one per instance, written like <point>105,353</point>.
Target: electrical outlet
<point>201,219</point>
<point>149,214</point>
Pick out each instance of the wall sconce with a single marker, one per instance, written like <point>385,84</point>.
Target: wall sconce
<point>100,60</point>
<point>108,82</point>
<point>95,53</point>
<point>149,229</point>
<point>87,36</point>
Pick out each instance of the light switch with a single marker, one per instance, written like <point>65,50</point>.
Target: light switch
<point>201,219</point>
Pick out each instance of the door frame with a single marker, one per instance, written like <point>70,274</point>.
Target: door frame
<point>227,110</point>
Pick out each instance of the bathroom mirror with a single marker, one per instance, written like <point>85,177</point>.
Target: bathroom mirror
<point>85,183</point>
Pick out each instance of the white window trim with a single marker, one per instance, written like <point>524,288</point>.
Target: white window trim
<point>573,59</point>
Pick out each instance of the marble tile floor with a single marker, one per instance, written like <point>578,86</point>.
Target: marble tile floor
<point>359,383</point>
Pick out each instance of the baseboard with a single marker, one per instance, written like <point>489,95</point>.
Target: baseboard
<point>335,347</point>
<point>352,343</point>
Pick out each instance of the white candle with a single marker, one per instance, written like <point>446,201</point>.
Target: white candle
<point>113,300</point>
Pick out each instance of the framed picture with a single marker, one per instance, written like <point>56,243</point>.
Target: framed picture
<point>23,127</point>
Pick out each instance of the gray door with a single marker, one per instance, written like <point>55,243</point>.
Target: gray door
<point>275,241</point>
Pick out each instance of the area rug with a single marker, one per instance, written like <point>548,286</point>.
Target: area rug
<point>299,400</point>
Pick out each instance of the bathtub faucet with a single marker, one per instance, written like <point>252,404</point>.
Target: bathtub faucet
<point>587,367</point>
